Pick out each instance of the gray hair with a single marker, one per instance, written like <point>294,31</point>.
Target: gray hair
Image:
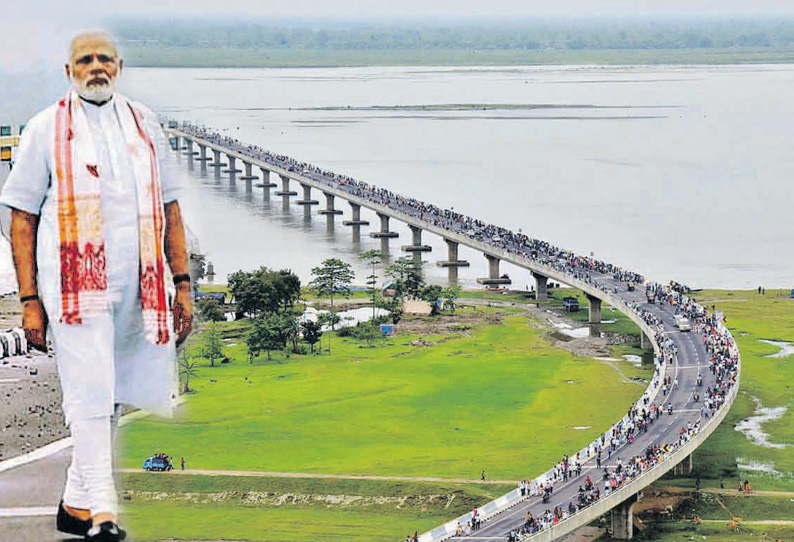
<point>97,33</point>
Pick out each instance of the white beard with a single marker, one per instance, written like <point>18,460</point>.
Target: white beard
<point>95,93</point>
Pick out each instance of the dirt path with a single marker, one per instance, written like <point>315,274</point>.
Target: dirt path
<point>199,472</point>
<point>733,492</point>
<point>757,522</point>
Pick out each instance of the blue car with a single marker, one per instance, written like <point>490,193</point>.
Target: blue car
<point>157,463</point>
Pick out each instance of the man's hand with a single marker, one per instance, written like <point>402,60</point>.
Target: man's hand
<point>34,322</point>
<point>183,313</point>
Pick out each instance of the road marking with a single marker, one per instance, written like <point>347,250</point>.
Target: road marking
<point>8,380</point>
<point>27,512</point>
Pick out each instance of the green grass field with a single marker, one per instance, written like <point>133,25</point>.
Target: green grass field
<point>752,317</point>
<point>714,532</point>
<point>449,410</point>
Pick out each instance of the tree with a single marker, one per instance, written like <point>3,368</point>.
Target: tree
<point>264,335</point>
<point>212,348</point>
<point>264,290</point>
<point>288,329</point>
<point>451,294</point>
<point>197,268</point>
<point>373,257</point>
<point>210,310</point>
<point>328,319</point>
<point>312,332</point>
<point>187,369</point>
<point>369,332</point>
<point>287,287</point>
<point>430,293</point>
<point>331,277</point>
<point>407,275</point>
<point>251,295</point>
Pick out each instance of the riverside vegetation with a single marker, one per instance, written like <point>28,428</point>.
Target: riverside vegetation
<point>285,43</point>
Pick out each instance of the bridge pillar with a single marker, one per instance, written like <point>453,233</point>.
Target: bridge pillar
<point>176,142</point>
<point>266,184</point>
<point>541,293</point>
<point>623,518</point>
<point>190,152</point>
<point>595,309</point>
<point>307,196</point>
<point>232,169</point>
<point>493,272</point>
<point>452,260</point>
<point>416,245</point>
<point>645,342</point>
<point>285,191</point>
<point>684,468</point>
<point>249,176</point>
<point>203,156</point>
<point>329,206</point>
<point>355,219</point>
<point>217,162</point>
<point>384,232</point>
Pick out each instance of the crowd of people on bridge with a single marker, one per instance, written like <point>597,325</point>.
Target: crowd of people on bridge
<point>538,251</point>
<point>720,345</point>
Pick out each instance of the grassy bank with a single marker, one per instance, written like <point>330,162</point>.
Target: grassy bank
<point>150,520</point>
<point>494,397</point>
<point>295,509</point>
<point>151,56</point>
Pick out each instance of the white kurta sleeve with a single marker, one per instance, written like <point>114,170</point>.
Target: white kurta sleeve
<point>29,180</point>
<point>170,182</point>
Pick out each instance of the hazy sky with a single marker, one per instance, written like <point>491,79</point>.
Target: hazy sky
<point>405,8</point>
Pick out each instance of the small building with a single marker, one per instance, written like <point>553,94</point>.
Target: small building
<point>417,307</point>
<point>387,330</point>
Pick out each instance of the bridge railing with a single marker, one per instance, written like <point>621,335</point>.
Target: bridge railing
<point>607,503</point>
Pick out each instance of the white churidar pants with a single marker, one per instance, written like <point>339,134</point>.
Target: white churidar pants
<point>101,363</point>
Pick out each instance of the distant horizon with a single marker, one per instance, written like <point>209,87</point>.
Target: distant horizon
<point>430,20</point>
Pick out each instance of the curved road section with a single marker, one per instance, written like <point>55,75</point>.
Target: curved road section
<point>695,382</point>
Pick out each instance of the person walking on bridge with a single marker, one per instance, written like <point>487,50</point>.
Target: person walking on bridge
<point>94,221</point>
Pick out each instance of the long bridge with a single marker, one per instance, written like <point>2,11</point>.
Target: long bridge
<point>660,431</point>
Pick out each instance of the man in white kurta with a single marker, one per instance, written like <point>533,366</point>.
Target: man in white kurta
<point>106,360</point>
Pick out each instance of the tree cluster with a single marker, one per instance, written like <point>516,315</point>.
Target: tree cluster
<point>263,291</point>
<point>594,34</point>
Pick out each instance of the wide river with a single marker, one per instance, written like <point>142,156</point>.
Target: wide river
<point>681,173</point>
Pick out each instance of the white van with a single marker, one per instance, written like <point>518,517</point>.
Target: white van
<point>682,323</point>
